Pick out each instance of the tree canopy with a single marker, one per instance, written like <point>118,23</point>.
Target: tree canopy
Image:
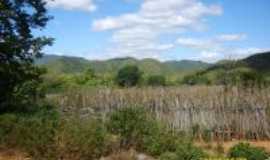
<point>19,46</point>
<point>128,76</point>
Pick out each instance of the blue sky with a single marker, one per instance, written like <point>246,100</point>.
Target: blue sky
<point>207,30</point>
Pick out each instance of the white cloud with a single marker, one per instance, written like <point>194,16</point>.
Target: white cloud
<point>231,37</point>
<point>139,33</point>
<point>196,43</point>
<point>214,49</point>
<point>86,5</point>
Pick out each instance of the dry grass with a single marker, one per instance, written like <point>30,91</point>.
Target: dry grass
<point>227,112</point>
<point>228,144</point>
<point>12,155</point>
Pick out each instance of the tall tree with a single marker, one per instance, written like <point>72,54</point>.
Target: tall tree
<point>19,47</point>
<point>128,76</point>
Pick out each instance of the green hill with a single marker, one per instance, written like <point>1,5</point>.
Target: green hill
<point>259,62</point>
<point>255,67</point>
<point>71,65</point>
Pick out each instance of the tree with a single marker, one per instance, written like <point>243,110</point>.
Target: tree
<point>128,76</point>
<point>156,80</point>
<point>195,79</point>
<point>88,75</point>
<point>19,47</point>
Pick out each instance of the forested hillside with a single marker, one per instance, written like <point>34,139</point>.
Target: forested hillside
<point>64,64</point>
<point>255,68</point>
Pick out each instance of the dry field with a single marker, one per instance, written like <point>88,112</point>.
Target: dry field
<point>223,113</point>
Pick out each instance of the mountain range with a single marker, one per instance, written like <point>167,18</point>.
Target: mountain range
<point>72,65</point>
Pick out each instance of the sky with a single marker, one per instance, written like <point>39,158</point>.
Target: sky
<point>207,30</point>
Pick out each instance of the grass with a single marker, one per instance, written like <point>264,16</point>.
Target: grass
<point>147,120</point>
<point>241,113</point>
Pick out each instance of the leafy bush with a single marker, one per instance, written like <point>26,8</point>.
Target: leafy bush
<point>244,150</point>
<point>128,76</point>
<point>33,134</point>
<point>82,139</point>
<point>186,151</point>
<point>206,135</point>
<point>168,156</point>
<point>160,141</point>
<point>131,124</point>
<point>156,80</point>
<point>7,122</point>
<point>195,79</point>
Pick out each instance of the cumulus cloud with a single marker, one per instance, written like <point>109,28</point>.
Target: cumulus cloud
<point>214,49</point>
<point>86,5</point>
<point>139,33</point>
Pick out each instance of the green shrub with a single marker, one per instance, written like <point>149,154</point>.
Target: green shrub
<point>186,151</point>
<point>168,156</point>
<point>206,135</point>
<point>128,76</point>
<point>160,141</point>
<point>245,150</point>
<point>196,79</point>
<point>7,123</point>
<point>82,139</point>
<point>156,80</point>
<point>132,124</point>
<point>34,134</point>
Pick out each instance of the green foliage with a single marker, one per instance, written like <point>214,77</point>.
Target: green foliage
<point>156,80</point>
<point>160,141</point>
<point>206,135</point>
<point>19,47</point>
<point>82,139</point>
<point>259,62</point>
<point>245,150</point>
<point>186,151</point>
<point>33,134</point>
<point>168,156</point>
<point>44,136</point>
<point>194,79</point>
<point>75,65</point>
<point>132,124</point>
<point>128,76</point>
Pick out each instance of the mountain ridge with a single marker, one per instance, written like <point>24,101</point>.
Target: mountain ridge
<point>71,64</point>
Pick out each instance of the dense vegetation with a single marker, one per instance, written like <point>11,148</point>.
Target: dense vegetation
<point>252,70</point>
<point>249,152</point>
<point>34,121</point>
<point>66,72</point>
<point>19,78</point>
<point>45,135</point>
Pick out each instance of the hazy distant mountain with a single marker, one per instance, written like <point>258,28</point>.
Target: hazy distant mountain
<point>65,64</point>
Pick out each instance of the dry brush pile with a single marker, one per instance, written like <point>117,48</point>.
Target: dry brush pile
<point>206,111</point>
